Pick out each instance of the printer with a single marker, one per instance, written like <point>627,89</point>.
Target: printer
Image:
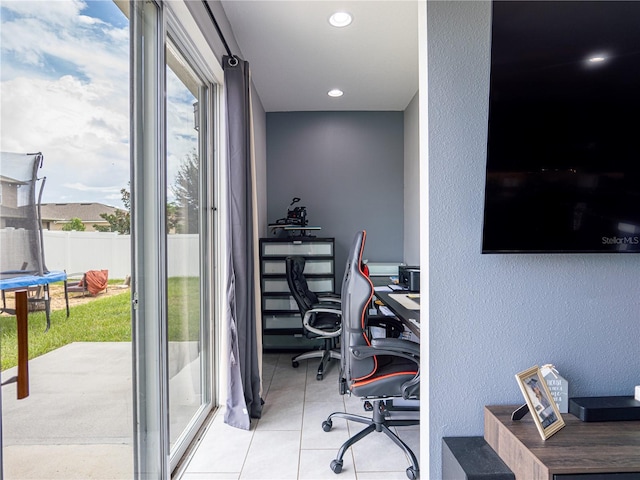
<point>409,277</point>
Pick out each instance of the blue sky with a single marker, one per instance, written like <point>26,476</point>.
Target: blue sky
<point>64,91</point>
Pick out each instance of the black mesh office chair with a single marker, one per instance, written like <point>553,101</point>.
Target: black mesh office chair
<point>378,370</point>
<point>321,316</point>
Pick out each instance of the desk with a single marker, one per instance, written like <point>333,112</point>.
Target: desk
<point>410,318</point>
<point>611,449</point>
<point>19,285</point>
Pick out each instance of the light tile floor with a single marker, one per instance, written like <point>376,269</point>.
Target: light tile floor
<point>288,441</point>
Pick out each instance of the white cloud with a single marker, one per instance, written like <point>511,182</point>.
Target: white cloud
<point>66,93</point>
<point>89,20</point>
<point>82,130</point>
<point>56,12</point>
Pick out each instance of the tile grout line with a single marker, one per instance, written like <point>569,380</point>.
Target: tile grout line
<point>304,406</point>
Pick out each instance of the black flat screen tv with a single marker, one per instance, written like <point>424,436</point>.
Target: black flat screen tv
<point>563,152</point>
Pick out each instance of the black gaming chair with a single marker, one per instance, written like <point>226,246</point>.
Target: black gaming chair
<point>377,370</point>
<point>321,316</point>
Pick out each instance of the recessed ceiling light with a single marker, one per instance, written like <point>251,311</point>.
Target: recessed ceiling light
<point>336,92</point>
<point>340,19</point>
<point>597,59</point>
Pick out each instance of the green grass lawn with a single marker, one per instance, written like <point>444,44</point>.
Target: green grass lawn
<point>101,320</point>
<point>183,309</point>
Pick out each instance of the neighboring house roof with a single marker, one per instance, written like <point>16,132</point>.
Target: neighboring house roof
<point>5,179</point>
<point>64,212</point>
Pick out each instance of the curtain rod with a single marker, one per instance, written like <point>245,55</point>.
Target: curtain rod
<point>233,60</point>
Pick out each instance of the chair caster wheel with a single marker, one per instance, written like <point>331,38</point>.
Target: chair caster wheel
<point>295,364</point>
<point>319,376</point>
<point>412,473</point>
<point>336,466</point>
<point>327,425</point>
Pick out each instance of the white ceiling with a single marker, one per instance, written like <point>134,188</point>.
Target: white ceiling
<point>296,57</point>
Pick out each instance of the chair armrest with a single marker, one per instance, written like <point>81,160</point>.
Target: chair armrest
<point>75,277</point>
<point>330,300</point>
<point>397,344</point>
<point>76,283</point>
<point>329,297</point>
<point>324,308</point>
<point>319,308</point>
<point>389,346</point>
<point>331,305</point>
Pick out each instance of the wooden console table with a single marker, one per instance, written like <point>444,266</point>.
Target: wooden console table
<point>611,449</point>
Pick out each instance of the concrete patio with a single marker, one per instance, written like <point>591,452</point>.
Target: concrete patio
<point>77,421</point>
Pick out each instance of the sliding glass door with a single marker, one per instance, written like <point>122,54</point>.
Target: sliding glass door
<point>173,146</point>
<point>188,322</point>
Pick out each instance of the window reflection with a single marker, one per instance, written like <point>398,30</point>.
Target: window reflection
<point>183,246</point>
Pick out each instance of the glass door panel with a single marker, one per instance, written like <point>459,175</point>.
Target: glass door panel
<point>186,337</point>
<point>173,243</point>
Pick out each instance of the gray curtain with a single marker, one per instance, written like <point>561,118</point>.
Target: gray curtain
<point>243,398</point>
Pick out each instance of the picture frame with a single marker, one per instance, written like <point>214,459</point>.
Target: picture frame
<point>542,407</point>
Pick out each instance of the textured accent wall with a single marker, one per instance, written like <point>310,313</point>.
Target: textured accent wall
<point>495,315</point>
<point>348,169</point>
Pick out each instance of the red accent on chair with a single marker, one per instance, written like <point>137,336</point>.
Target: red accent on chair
<point>380,370</point>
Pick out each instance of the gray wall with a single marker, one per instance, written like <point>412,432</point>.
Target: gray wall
<point>347,167</point>
<point>492,316</point>
<point>260,158</point>
<point>412,183</point>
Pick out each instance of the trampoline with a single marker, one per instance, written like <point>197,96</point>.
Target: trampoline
<point>22,264</point>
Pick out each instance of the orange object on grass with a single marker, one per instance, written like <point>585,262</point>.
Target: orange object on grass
<point>96,281</point>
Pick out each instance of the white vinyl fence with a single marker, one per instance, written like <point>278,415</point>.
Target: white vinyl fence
<point>77,252</point>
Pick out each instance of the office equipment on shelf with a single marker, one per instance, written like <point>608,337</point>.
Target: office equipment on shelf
<point>295,223</point>
<point>288,227</point>
<point>292,231</point>
<point>321,316</point>
<point>281,326</point>
<point>409,277</point>
<point>605,409</point>
<point>378,370</point>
